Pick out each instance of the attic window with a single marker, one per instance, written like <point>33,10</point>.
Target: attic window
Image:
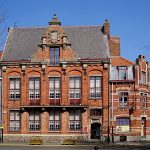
<point>54,56</point>
<point>122,72</point>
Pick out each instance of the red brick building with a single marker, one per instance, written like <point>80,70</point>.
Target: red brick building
<point>129,99</point>
<point>55,83</point>
<point>64,82</point>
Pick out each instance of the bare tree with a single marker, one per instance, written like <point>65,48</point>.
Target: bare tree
<point>2,26</point>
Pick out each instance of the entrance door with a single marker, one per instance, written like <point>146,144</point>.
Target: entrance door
<point>143,127</point>
<point>95,131</point>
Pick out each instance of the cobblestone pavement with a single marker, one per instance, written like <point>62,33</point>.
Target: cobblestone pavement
<point>126,146</point>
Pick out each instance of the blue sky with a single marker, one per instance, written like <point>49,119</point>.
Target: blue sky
<point>129,19</point>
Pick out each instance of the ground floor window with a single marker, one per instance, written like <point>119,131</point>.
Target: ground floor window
<point>75,120</point>
<point>122,124</point>
<point>14,120</point>
<point>54,120</point>
<point>34,121</point>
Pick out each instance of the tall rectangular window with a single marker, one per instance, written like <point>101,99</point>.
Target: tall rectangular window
<point>34,88</point>
<point>75,120</point>
<point>122,72</point>
<point>54,120</point>
<point>14,120</point>
<point>14,88</point>
<point>143,100</point>
<point>54,56</point>
<point>143,79</point>
<point>34,121</point>
<point>95,87</point>
<point>123,99</point>
<point>75,90</point>
<point>54,90</point>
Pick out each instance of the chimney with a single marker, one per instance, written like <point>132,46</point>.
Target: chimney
<point>106,28</point>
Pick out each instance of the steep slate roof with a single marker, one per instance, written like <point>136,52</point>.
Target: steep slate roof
<point>22,43</point>
<point>119,61</point>
<point>88,42</point>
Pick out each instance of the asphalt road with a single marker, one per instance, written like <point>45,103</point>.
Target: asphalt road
<point>76,147</point>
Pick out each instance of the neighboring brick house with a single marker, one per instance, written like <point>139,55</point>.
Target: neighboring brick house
<point>55,83</point>
<point>129,99</point>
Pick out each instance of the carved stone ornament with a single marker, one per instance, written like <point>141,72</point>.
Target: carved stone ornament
<point>54,37</point>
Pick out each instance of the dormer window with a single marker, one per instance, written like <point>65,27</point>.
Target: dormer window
<point>122,72</point>
<point>54,56</point>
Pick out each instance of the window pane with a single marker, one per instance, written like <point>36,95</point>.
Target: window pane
<point>92,82</point>
<point>12,116</point>
<point>51,83</point>
<point>57,84</point>
<point>12,85</point>
<point>71,83</point>
<point>37,115</point>
<point>122,73</point>
<point>37,83</point>
<point>31,117</point>
<point>57,115</point>
<point>71,115</point>
<point>17,116</point>
<point>77,83</point>
<point>98,83</point>
<point>17,84</point>
<point>31,84</point>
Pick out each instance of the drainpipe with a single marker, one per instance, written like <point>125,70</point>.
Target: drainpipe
<point>1,108</point>
<point>108,140</point>
<point>112,115</point>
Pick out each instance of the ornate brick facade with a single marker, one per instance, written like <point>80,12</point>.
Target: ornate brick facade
<point>70,82</point>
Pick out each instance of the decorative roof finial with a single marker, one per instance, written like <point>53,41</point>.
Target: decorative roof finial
<point>54,21</point>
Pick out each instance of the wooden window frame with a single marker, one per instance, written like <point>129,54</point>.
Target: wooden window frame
<point>96,88</point>
<point>14,121</point>
<point>54,58</point>
<point>75,124</point>
<point>15,90</point>
<point>35,124</point>
<point>54,125</point>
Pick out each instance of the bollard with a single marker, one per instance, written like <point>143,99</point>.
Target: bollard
<point>95,147</point>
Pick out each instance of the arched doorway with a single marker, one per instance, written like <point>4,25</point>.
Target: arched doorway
<point>95,131</point>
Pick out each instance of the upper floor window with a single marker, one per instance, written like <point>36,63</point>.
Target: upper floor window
<point>143,79</point>
<point>54,88</point>
<point>54,120</point>
<point>54,56</point>
<point>14,120</point>
<point>95,87</point>
<point>143,100</point>
<point>34,88</point>
<point>14,88</point>
<point>123,99</point>
<point>75,120</point>
<point>122,73</point>
<point>75,87</point>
